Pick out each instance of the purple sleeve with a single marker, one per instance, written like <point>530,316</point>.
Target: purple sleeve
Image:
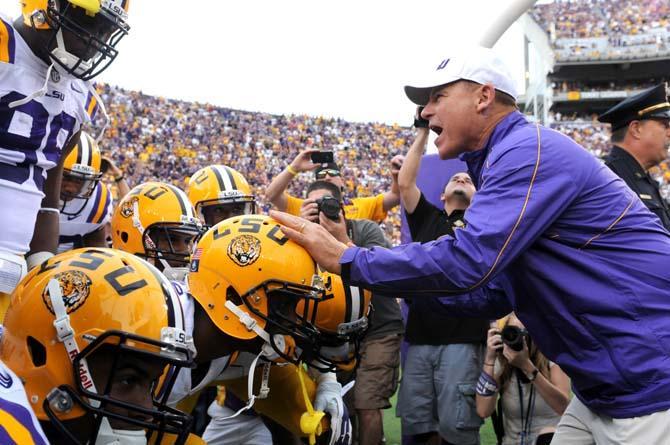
<point>521,194</point>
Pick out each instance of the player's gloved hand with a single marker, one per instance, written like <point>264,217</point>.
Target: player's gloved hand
<point>329,399</point>
<point>340,433</point>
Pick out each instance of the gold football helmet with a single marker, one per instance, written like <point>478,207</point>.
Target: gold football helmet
<point>342,320</point>
<point>81,171</point>
<point>248,277</point>
<point>156,220</point>
<point>219,192</point>
<point>96,25</point>
<point>73,328</point>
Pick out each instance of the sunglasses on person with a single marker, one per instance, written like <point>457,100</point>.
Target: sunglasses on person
<point>321,174</point>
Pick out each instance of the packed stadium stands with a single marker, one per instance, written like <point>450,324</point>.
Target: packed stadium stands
<point>606,30</point>
<point>154,138</point>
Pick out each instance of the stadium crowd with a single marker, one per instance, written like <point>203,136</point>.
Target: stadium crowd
<point>599,18</point>
<point>154,138</point>
<point>600,29</point>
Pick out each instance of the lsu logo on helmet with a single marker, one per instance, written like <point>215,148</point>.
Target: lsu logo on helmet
<point>75,287</point>
<point>244,250</point>
<point>128,207</point>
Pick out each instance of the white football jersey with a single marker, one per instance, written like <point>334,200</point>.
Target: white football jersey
<point>184,386</point>
<point>18,423</point>
<point>80,217</point>
<point>32,135</point>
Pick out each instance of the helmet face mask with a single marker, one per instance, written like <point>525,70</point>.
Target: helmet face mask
<point>123,366</point>
<point>172,242</point>
<point>81,174</point>
<point>78,185</point>
<point>282,317</point>
<point>82,41</point>
<point>214,211</point>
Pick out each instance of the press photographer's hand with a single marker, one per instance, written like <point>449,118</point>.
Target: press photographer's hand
<point>493,344</point>
<point>309,210</point>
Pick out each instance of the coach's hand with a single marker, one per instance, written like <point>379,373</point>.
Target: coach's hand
<point>321,245</point>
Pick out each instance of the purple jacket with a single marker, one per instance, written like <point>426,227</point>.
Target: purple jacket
<point>582,261</point>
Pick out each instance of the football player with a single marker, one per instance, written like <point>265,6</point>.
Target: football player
<point>255,296</point>
<point>47,57</point>
<point>155,214</point>
<point>219,192</point>
<point>156,221</point>
<point>86,203</point>
<point>97,336</point>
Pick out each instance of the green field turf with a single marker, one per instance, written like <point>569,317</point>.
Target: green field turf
<point>392,428</point>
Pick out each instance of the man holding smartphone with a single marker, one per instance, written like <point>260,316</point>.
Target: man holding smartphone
<point>369,207</point>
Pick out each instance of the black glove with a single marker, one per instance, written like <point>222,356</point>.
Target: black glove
<point>419,122</point>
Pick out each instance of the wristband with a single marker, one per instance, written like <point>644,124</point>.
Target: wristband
<point>533,375</point>
<point>119,178</point>
<point>486,385</point>
<point>37,258</point>
<point>291,170</point>
<point>49,210</point>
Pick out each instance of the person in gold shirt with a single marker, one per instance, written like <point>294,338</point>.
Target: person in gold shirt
<point>368,207</point>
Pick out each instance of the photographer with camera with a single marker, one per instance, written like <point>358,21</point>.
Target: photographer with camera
<point>326,169</point>
<point>534,392</point>
<point>379,363</point>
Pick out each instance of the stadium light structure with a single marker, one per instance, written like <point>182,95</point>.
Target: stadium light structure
<point>514,10</point>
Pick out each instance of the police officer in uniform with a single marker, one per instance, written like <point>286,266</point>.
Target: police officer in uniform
<point>641,137</point>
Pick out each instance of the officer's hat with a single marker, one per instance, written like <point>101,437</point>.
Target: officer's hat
<point>649,104</point>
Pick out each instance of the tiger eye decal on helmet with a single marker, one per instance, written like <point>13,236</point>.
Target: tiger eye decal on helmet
<point>75,287</point>
<point>244,250</point>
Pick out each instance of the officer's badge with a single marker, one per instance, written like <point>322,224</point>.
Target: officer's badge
<point>244,250</point>
<point>128,207</point>
<point>75,287</point>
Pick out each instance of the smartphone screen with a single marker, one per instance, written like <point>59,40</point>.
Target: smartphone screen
<point>104,166</point>
<point>322,157</point>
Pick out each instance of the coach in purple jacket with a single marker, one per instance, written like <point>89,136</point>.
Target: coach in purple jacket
<point>582,261</point>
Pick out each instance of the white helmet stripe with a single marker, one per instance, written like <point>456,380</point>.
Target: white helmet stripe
<point>225,177</point>
<point>85,150</point>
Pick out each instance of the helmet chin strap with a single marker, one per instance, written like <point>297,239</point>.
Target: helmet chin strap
<point>267,352</point>
<point>66,335</point>
<point>67,58</point>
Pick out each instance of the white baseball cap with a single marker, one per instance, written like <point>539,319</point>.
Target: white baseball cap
<point>478,64</point>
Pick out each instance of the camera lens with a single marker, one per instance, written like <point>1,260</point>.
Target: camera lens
<point>512,336</point>
<point>330,207</point>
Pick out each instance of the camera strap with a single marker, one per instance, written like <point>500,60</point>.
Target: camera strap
<point>350,230</point>
<point>526,421</point>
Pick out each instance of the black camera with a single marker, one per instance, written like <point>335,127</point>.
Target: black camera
<point>330,207</point>
<point>513,337</point>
